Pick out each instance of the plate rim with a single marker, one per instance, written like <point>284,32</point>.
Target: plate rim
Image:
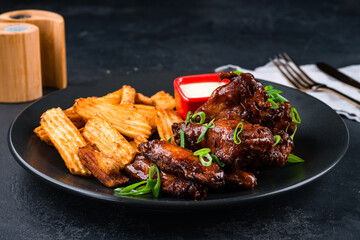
<point>178,204</point>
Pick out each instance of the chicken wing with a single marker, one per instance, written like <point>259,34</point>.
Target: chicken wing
<point>256,149</point>
<point>241,178</point>
<point>245,99</point>
<point>182,162</point>
<point>171,184</point>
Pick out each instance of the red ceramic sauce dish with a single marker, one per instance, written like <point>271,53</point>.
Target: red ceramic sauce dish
<point>184,103</point>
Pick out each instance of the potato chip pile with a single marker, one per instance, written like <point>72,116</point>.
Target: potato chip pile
<point>100,135</point>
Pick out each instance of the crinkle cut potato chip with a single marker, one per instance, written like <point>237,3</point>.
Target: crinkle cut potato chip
<point>40,132</point>
<point>127,121</point>
<point>128,95</point>
<point>66,138</point>
<point>163,100</point>
<point>110,142</point>
<point>75,118</point>
<point>149,112</point>
<point>96,162</point>
<point>142,99</point>
<point>164,121</point>
<point>114,97</point>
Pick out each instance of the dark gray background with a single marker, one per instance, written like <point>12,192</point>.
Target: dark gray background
<point>108,39</point>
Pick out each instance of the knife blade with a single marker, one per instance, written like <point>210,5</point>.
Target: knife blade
<point>338,75</point>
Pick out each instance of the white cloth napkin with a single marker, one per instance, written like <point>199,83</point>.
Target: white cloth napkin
<point>270,73</point>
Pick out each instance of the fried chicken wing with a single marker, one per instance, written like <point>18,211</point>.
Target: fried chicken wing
<point>241,178</point>
<point>245,99</point>
<point>255,150</point>
<point>171,184</point>
<point>182,162</point>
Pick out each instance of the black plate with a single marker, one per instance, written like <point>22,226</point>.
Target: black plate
<point>322,140</point>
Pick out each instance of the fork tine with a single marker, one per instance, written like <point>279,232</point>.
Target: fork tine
<point>295,84</point>
<point>303,81</point>
<point>309,80</point>
<point>289,71</point>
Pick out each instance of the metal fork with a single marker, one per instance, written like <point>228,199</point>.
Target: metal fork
<point>299,79</point>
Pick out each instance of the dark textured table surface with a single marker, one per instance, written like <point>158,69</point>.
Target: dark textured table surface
<point>106,40</point>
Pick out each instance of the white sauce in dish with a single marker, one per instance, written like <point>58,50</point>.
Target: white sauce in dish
<point>198,90</point>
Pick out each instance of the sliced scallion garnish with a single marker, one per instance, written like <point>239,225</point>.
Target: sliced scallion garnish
<point>238,72</point>
<point>211,125</point>
<point>274,96</point>
<point>188,117</point>
<point>204,152</point>
<point>236,137</point>
<point>273,104</point>
<point>221,164</point>
<point>292,136</point>
<point>156,189</point>
<point>294,159</point>
<point>295,116</point>
<point>169,139</point>
<point>202,117</point>
<point>182,138</point>
<point>277,140</point>
<point>143,187</point>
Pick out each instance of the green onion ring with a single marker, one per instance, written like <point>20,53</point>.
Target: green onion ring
<point>188,117</point>
<point>202,117</point>
<point>277,140</point>
<point>202,151</point>
<point>169,139</point>
<point>206,163</point>
<point>295,115</point>
<point>236,137</point>
<point>221,164</point>
<point>210,125</point>
<point>292,136</point>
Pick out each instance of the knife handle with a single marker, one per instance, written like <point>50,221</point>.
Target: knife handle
<point>349,99</point>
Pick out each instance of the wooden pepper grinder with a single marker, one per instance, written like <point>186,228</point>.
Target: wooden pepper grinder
<point>52,42</point>
<point>20,64</point>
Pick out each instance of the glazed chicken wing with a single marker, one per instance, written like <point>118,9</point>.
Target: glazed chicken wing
<point>256,149</point>
<point>240,178</point>
<point>170,183</point>
<point>245,99</point>
<point>182,162</point>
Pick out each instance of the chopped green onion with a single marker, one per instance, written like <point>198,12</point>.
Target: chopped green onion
<point>295,115</point>
<point>188,117</point>
<point>273,104</point>
<point>156,188</point>
<point>169,139</point>
<point>206,163</point>
<point>236,137</point>
<point>211,125</point>
<point>136,188</point>
<point>268,87</point>
<point>221,164</point>
<point>152,185</point>
<point>238,72</point>
<point>274,95</point>
<point>202,151</point>
<point>278,98</point>
<point>277,140</point>
<point>294,159</point>
<point>292,136</point>
<point>202,116</point>
<point>182,138</point>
